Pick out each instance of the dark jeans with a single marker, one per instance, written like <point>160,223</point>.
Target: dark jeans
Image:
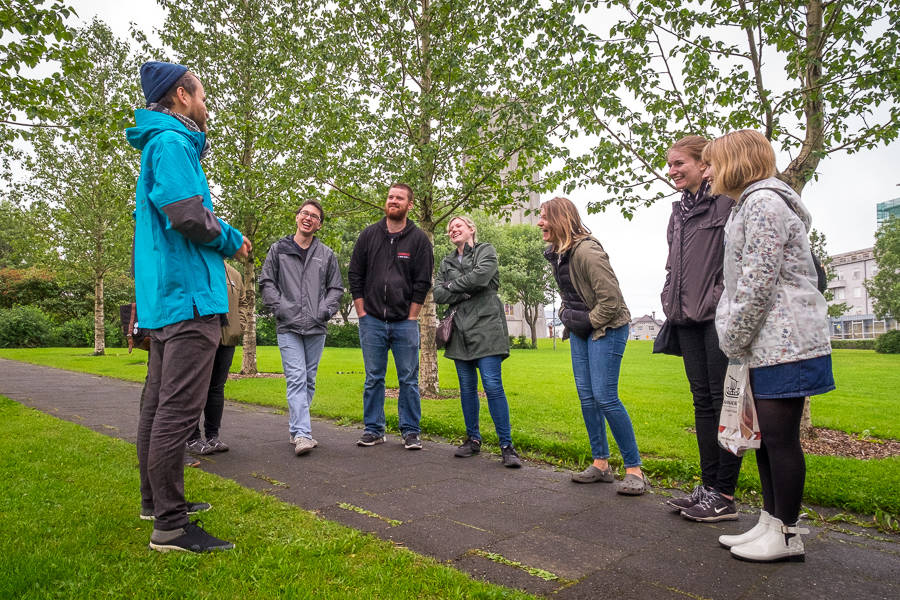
<point>215,398</point>
<point>401,338</point>
<point>180,366</point>
<point>705,365</point>
<point>491,378</point>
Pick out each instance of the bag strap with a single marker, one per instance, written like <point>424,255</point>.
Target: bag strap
<point>130,334</point>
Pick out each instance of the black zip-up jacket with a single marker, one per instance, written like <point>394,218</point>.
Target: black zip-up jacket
<point>574,313</point>
<point>694,280</point>
<point>389,275</point>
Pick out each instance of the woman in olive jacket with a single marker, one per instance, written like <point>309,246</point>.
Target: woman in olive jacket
<point>689,298</point>
<point>468,280</point>
<point>596,320</point>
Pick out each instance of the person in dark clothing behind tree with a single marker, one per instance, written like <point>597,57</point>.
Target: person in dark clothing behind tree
<point>596,320</point>
<point>301,284</point>
<point>180,290</point>
<point>690,295</point>
<point>390,275</point>
<point>467,280</point>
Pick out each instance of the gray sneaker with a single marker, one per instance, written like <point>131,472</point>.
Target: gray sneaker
<point>370,439</point>
<point>304,445</point>
<point>190,538</point>
<point>199,446</point>
<point>412,441</point>
<point>217,444</point>
<point>680,504</point>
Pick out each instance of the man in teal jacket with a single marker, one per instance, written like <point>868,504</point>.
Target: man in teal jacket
<point>180,290</point>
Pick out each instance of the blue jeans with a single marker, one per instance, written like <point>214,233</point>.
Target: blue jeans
<point>595,364</point>
<point>467,371</point>
<point>377,337</point>
<point>300,356</point>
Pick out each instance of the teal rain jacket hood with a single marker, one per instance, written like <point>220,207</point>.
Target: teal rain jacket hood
<point>174,275</point>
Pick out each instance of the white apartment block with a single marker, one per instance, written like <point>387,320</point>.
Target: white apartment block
<point>851,270</point>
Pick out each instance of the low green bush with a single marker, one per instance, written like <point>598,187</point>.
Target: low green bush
<point>521,343</point>
<point>24,327</point>
<point>853,344</point>
<point>342,336</point>
<point>888,343</point>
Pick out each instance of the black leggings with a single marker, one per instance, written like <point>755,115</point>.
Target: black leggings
<point>782,467</point>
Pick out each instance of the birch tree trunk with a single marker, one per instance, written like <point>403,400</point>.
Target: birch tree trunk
<point>99,317</point>
<point>248,362</point>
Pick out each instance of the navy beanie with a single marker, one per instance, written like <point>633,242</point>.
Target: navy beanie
<point>158,77</point>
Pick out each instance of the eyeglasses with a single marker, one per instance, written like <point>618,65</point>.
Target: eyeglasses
<point>308,215</point>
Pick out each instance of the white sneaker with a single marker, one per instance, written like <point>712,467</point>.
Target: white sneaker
<point>304,445</point>
<point>729,541</point>
<point>773,545</point>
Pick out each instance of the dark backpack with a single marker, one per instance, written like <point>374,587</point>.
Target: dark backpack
<point>821,275</point>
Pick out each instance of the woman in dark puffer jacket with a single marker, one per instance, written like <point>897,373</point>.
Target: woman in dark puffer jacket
<point>693,287</point>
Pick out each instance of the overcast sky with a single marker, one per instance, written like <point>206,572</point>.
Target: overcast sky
<point>842,201</point>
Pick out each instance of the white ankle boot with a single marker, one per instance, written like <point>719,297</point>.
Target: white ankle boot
<point>729,541</point>
<point>773,545</point>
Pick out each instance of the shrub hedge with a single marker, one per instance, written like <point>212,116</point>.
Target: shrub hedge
<point>888,343</point>
<point>853,344</point>
<point>30,327</point>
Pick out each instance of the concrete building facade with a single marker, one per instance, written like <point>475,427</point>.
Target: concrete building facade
<point>851,270</point>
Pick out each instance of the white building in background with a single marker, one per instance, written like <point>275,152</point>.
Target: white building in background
<point>645,328</point>
<point>851,270</point>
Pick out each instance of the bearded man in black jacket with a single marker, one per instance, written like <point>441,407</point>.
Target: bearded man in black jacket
<point>390,275</point>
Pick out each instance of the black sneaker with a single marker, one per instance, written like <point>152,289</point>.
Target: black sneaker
<point>411,441</point>
<point>199,446</point>
<point>217,444</point>
<point>190,538</point>
<point>192,509</point>
<point>370,439</point>
<point>680,504</point>
<point>468,448</point>
<point>511,460</point>
<point>711,508</point>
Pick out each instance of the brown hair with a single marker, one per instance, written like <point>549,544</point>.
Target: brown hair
<point>317,205</point>
<point>468,221</point>
<point>404,186</point>
<point>564,222</point>
<point>188,81</point>
<point>739,158</point>
<point>692,145</point>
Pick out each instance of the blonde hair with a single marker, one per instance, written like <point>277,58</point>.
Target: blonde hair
<point>468,221</point>
<point>739,158</point>
<point>692,145</point>
<point>565,224</point>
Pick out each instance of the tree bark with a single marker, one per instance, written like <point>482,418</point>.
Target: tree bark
<point>806,429</point>
<point>802,168</point>
<point>429,382</point>
<point>531,316</point>
<point>99,317</point>
<point>248,362</point>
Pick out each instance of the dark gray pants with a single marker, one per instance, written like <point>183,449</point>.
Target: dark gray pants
<point>180,366</point>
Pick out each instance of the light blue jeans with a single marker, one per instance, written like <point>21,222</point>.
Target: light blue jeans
<point>467,372</point>
<point>300,356</point>
<point>401,338</point>
<point>595,364</point>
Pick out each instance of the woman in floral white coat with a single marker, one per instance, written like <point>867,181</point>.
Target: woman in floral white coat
<point>772,316</point>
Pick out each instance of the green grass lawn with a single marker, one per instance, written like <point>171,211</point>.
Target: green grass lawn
<point>69,528</point>
<point>546,415</point>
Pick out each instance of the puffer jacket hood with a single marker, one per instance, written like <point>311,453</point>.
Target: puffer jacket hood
<point>771,311</point>
<point>149,124</point>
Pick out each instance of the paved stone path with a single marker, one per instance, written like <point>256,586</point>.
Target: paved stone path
<point>599,544</point>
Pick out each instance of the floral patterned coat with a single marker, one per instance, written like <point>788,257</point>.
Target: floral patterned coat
<point>771,311</point>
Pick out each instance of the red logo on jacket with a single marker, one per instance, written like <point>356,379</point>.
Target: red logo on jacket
<point>403,255</point>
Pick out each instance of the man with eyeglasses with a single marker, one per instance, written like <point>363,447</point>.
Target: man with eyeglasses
<point>301,285</point>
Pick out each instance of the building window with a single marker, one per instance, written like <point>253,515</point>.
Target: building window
<point>840,276</point>
<point>857,292</point>
<point>839,293</point>
<point>652,328</point>
<point>856,275</point>
<point>508,310</point>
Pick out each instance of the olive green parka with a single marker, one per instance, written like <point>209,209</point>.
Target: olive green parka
<point>470,286</point>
